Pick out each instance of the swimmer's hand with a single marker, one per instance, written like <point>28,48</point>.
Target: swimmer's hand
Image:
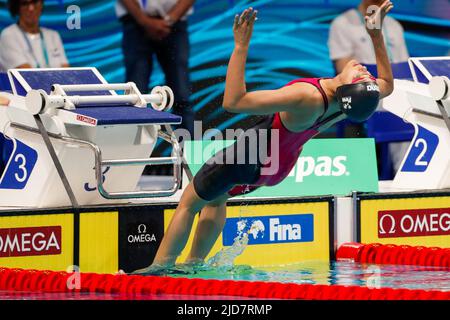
<point>243,27</point>
<point>374,23</point>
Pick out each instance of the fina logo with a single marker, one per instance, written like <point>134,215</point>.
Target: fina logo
<point>270,229</point>
<point>256,230</point>
<point>277,231</point>
<point>282,232</point>
<point>142,236</point>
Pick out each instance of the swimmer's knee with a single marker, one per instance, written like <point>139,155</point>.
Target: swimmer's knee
<point>190,201</point>
<point>218,202</point>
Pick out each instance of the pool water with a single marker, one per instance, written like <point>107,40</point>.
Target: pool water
<point>222,266</point>
<point>335,273</point>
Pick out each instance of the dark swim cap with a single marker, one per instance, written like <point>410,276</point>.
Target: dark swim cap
<point>358,101</point>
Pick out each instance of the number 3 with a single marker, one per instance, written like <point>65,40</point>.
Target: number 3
<point>21,167</point>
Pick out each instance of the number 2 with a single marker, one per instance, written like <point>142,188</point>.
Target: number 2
<point>419,161</point>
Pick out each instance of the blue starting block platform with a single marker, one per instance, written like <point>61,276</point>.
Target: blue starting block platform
<point>24,80</point>
<point>88,120</point>
<point>112,113</point>
<point>424,69</point>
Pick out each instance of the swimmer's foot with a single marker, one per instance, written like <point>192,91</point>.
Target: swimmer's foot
<point>163,270</point>
<point>152,270</point>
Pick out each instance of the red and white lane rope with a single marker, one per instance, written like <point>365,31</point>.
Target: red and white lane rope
<point>19,280</point>
<point>394,254</point>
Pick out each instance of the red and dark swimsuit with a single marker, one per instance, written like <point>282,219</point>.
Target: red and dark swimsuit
<point>216,178</point>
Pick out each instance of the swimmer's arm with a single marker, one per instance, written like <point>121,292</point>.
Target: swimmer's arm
<point>267,101</point>
<point>236,98</point>
<point>385,78</point>
<point>235,88</point>
<point>340,64</point>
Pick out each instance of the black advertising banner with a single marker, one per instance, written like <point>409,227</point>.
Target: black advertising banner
<point>140,232</point>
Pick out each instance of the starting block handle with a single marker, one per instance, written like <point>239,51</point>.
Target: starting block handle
<point>176,161</point>
<point>38,101</point>
<point>94,87</point>
<point>86,100</point>
<point>140,194</point>
<point>139,162</point>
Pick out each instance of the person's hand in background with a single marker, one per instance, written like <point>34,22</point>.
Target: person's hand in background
<point>155,28</point>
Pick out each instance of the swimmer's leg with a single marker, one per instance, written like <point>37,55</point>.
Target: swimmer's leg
<point>177,233</point>
<point>209,227</point>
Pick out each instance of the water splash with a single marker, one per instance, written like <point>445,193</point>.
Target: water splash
<point>225,258</point>
<point>222,262</point>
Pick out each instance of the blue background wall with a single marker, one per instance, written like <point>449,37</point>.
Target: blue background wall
<point>289,41</point>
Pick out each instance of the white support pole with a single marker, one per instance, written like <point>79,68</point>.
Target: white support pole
<point>38,101</point>
<point>96,87</point>
<point>84,100</point>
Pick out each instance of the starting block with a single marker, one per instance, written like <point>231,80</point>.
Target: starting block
<point>102,136</point>
<point>425,103</point>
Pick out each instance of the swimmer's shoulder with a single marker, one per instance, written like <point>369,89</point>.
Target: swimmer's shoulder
<point>308,95</point>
